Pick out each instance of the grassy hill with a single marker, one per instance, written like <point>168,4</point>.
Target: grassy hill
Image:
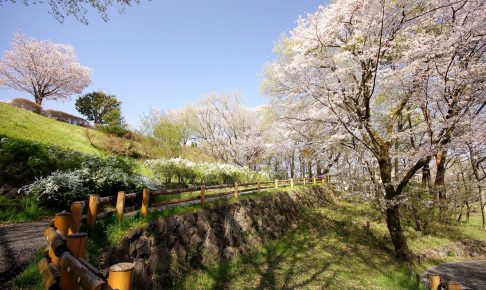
<point>22,124</point>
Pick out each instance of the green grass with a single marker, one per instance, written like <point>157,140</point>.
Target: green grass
<point>331,249</point>
<point>22,124</point>
<point>22,210</point>
<point>30,278</point>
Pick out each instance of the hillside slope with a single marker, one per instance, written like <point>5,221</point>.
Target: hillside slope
<point>22,124</point>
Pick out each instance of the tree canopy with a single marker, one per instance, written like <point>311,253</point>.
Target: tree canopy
<point>44,69</point>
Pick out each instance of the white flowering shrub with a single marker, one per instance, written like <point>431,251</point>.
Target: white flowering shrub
<point>58,190</point>
<point>185,171</point>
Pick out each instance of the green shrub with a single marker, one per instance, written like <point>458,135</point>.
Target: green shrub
<point>58,190</point>
<point>186,171</point>
<point>21,162</point>
<point>65,117</point>
<point>26,105</point>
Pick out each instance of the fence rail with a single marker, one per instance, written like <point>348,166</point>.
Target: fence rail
<point>64,266</point>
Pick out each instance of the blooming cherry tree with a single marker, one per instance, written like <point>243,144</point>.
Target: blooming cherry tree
<point>44,69</point>
<point>398,77</point>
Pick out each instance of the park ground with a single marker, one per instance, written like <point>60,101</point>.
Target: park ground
<point>341,246</point>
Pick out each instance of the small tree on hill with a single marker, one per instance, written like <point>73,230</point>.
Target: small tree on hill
<point>44,69</point>
<point>98,107</point>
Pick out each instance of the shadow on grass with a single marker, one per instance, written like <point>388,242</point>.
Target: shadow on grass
<point>326,251</point>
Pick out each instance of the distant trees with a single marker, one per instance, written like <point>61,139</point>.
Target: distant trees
<point>96,106</point>
<point>104,110</point>
<point>44,69</point>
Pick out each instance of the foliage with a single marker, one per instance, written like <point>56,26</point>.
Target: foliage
<point>26,105</point>
<point>26,66</point>
<point>65,117</point>
<point>96,105</point>
<point>103,176</point>
<point>62,8</point>
<point>58,190</point>
<point>15,210</point>
<point>169,136</point>
<point>186,171</point>
<point>113,123</point>
<point>22,161</point>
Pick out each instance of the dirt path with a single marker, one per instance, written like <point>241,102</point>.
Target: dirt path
<point>471,275</point>
<point>18,244</point>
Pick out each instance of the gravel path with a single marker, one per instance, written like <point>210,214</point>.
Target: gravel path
<point>471,275</point>
<point>18,244</point>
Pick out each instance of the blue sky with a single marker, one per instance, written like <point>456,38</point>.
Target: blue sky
<point>164,54</point>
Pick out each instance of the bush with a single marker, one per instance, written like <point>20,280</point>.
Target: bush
<point>65,117</point>
<point>58,190</point>
<point>186,171</point>
<point>26,105</point>
<point>21,162</point>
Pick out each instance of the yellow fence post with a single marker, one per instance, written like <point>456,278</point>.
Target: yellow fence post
<point>62,221</point>
<point>76,244</point>
<point>145,201</point>
<point>259,187</point>
<point>120,276</point>
<point>94,199</point>
<point>304,180</point>
<point>453,286</point>
<point>203,194</point>
<point>291,183</point>
<point>434,282</point>
<point>120,205</point>
<point>314,180</point>
<point>276,183</point>
<point>76,213</point>
<point>236,190</point>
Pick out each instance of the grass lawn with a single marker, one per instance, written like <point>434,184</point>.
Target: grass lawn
<point>22,124</point>
<point>332,249</point>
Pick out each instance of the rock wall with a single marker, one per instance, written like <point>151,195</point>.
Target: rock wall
<point>166,247</point>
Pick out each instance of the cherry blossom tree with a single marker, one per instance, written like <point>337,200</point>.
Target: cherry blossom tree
<point>398,77</point>
<point>78,8</point>
<point>44,69</point>
<point>228,130</point>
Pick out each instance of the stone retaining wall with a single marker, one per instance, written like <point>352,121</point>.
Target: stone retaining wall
<point>165,247</point>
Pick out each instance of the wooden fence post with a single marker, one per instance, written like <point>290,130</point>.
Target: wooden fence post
<point>324,179</point>
<point>453,286</point>
<point>236,190</point>
<point>276,183</point>
<point>291,183</point>
<point>76,213</point>
<point>304,180</point>
<point>120,276</point>
<point>120,205</point>
<point>62,221</point>
<point>314,180</point>
<point>434,282</point>
<point>94,199</point>
<point>145,201</point>
<point>203,194</point>
<point>76,244</point>
<point>259,189</point>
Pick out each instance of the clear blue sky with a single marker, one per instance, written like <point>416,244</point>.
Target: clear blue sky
<point>165,54</point>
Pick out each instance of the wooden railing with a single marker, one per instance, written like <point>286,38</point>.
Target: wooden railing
<point>64,266</point>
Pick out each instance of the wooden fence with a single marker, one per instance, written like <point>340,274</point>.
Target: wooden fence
<point>64,266</point>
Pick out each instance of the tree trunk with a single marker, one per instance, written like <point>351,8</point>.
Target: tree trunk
<point>439,184</point>
<point>393,211</point>
<point>292,165</point>
<point>38,99</point>
<point>318,168</point>
<point>482,195</point>
<point>309,168</point>
<point>426,176</point>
